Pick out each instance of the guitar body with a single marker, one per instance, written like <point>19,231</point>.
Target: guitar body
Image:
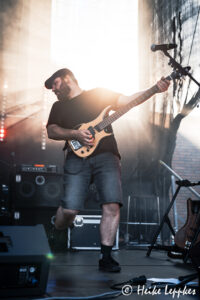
<point>186,234</point>
<point>83,151</point>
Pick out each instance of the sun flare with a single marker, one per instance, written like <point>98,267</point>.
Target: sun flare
<point>97,40</point>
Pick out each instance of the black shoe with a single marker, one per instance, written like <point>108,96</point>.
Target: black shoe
<point>109,265</point>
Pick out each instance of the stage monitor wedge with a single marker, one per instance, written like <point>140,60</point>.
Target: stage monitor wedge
<point>24,261</point>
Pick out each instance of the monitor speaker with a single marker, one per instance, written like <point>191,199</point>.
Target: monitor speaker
<point>24,261</point>
<point>37,189</point>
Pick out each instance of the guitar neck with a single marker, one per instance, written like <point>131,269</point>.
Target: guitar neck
<point>116,115</point>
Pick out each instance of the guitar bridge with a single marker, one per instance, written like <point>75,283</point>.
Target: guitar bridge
<point>76,145</point>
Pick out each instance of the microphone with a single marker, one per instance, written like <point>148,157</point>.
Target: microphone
<point>163,47</point>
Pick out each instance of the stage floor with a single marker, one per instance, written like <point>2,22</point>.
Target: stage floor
<point>76,274</point>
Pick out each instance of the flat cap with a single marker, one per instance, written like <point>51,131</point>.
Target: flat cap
<point>59,73</point>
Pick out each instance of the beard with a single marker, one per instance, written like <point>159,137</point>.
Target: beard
<point>63,92</point>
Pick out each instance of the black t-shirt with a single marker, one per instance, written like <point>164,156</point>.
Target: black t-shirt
<point>83,109</point>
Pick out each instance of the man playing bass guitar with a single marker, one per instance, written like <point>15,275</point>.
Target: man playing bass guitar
<point>93,154</point>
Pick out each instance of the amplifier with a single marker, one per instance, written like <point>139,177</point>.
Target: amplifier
<point>85,235</point>
<point>37,187</point>
<point>39,168</point>
<point>24,260</point>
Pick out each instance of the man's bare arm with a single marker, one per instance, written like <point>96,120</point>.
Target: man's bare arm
<point>58,133</point>
<point>123,100</point>
<point>162,84</point>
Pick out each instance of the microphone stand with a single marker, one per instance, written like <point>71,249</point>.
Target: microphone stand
<point>165,219</point>
<point>175,65</point>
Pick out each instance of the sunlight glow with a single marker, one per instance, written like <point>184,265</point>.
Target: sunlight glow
<point>97,40</point>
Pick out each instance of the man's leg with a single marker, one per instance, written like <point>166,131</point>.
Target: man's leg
<point>107,177</point>
<point>76,182</point>
<point>64,218</point>
<point>108,229</point>
<point>109,223</point>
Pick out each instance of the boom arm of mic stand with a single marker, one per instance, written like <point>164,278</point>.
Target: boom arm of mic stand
<point>179,177</point>
<point>176,65</point>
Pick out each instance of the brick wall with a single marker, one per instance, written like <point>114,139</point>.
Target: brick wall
<point>186,159</point>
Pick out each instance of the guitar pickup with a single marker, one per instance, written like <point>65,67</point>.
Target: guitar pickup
<point>92,131</point>
<point>97,128</point>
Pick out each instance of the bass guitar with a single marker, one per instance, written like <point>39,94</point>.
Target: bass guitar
<point>98,126</point>
<point>186,234</point>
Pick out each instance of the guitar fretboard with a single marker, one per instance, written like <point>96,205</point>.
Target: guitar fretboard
<point>116,115</point>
